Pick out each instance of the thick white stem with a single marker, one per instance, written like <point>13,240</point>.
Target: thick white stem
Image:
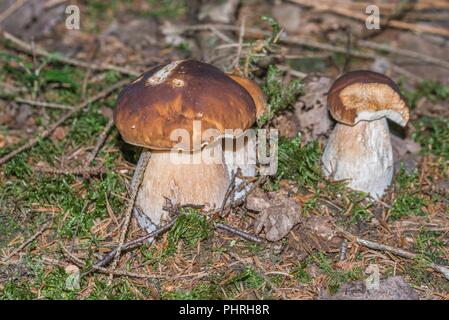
<point>362,155</point>
<point>188,182</point>
<point>241,153</point>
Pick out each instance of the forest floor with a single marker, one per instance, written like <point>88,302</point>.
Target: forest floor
<point>63,191</point>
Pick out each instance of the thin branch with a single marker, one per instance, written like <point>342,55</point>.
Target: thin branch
<point>396,251</point>
<point>243,234</point>
<point>101,140</point>
<point>27,242</point>
<point>44,104</point>
<point>419,28</point>
<point>80,171</point>
<point>61,120</point>
<point>59,57</point>
<point>107,259</point>
<point>140,172</point>
<point>236,63</point>
<point>403,52</point>
<point>16,5</point>
<point>306,42</point>
<point>229,191</point>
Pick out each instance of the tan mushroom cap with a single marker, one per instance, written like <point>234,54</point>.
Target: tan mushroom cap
<point>172,96</point>
<point>255,92</point>
<point>365,96</point>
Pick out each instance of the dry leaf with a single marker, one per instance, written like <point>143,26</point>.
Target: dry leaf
<point>278,220</point>
<point>58,134</point>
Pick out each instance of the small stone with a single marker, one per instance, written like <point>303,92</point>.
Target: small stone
<point>58,134</point>
<point>257,201</point>
<point>392,288</point>
<point>278,220</point>
<point>71,269</point>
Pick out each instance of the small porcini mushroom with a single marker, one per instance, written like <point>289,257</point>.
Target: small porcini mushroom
<point>169,99</point>
<point>359,148</point>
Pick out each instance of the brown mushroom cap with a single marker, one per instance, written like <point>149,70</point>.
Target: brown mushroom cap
<point>255,92</point>
<point>366,95</point>
<point>172,96</point>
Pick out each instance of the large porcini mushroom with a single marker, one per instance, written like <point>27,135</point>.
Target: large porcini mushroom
<point>157,108</point>
<point>241,152</point>
<point>359,148</point>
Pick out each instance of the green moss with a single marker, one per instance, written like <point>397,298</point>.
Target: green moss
<point>203,291</point>
<point>360,209</point>
<point>408,201</point>
<point>431,133</point>
<point>336,277</point>
<point>279,96</point>
<point>167,8</point>
<point>432,90</point>
<point>249,277</point>
<point>299,162</point>
<point>300,274</point>
<point>190,228</point>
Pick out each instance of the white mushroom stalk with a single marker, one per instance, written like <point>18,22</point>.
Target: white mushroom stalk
<point>184,180</point>
<point>359,149</point>
<point>361,154</point>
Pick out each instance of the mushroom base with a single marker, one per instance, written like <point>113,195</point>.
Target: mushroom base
<point>188,182</point>
<point>362,155</point>
<point>241,156</point>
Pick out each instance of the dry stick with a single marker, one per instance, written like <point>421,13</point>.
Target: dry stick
<point>396,251</point>
<point>362,17</point>
<point>141,240</point>
<point>41,52</point>
<point>240,44</point>
<point>243,234</point>
<point>324,46</point>
<point>27,242</point>
<point>133,244</point>
<point>61,120</point>
<point>403,52</point>
<point>84,171</point>
<point>388,8</point>
<point>16,5</point>
<point>44,104</point>
<point>228,193</point>
<point>101,140</point>
<point>79,263</point>
<point>140,171</point>
<point>306,42</point>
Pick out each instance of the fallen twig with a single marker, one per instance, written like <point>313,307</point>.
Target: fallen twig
<point>419,28</point>
<point>59,57</point>
<point>140,171</point>
<point>27,242</point>
<point>83,171</point>
<point>101,139</point>
<point>106,260</point>
<point>61,120</point>
<point>402,52</point>
<point>306,42</point>
<point>44,104</point>
<point>396,251</point>
<point>229,191</point>
<point>240,233</point>
<point>11,9</point>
